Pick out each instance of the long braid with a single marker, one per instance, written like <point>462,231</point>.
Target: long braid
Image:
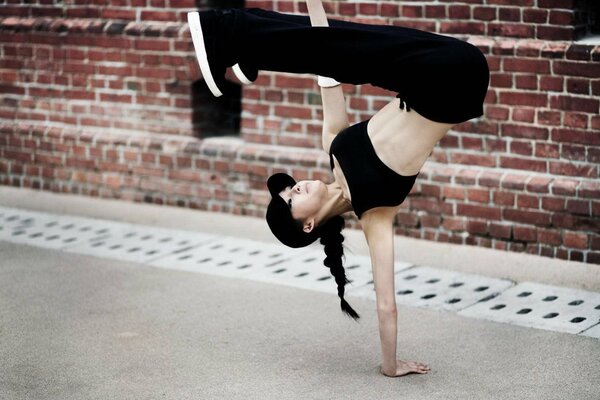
<point>332,239</point>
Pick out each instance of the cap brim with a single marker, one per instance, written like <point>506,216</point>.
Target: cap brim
<point>277,182</point>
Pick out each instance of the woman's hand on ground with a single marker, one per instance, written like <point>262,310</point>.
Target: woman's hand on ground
<point>407,367</point>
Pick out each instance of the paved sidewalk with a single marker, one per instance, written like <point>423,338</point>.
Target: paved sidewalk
<point>79,327</point>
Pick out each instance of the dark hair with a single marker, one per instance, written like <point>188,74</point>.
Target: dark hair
<point>290,232</point>
<point>332,238</point>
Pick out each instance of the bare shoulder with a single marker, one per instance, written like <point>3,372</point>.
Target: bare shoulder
<point>377,219</point>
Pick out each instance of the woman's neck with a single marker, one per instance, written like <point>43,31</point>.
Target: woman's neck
<point>336,203</point>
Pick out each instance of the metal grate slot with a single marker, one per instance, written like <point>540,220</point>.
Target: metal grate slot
<point>441,289</point>
<point>541,306</point>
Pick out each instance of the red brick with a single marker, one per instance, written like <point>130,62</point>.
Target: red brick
<point>474,28</point>
<point>427,204</point>
<point>484,13</point>
<point>435,11</point>
<point>579,206</point>
<point>501,80</point>
<point>539,184</point>
<point>473,159</point>
<point>551,83</point>
<point>526,65</point>
<point>518,147</point>
<point>368,8</point>
<point>490,179</point>
<point>578,69</point>
<point>576,136</point>
<point>524,164</point>
<point>524,131</point>
<point>514,181</point>
<point>454,224</point>
<point>504,198</point>
<point>477,227</point>
<point>390,10</point>
<point>524,99</point>
<point>114,13</point>
<point>347,9</point>
<point>575,239</point>
<point>500,230</point>
<point>527,201</point>
<point>554,33</point>
<point>524,233</point>
<point>575,120</point>
<point>593,258</point>
<point>466,176</point>
<point>573,152</point>
<point>478,211</point>
<point>450,192</point>
<point>548,236</point>
<point>478,195</point>
<point>410,11</point>
<point>570,169</point>
<point>527,217</point>
<point>565,186</point>
<point>594,242</point>
<point>499,113</point>
<point>546,150</point>
<point>535,15</point>
<point>588,105</point>
<point>407,218</point>
<point>590,189</point>
<point>459,12</point>
<point>158,16</point>
<point>559,17</point>
<point>511,30</point>
<point>526,82</point>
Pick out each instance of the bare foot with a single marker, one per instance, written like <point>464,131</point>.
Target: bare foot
<point>408,367</point>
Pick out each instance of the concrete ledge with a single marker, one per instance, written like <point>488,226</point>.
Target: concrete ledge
<point>489,262</point>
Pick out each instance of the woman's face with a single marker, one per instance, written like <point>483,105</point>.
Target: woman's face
<point>306,198</point>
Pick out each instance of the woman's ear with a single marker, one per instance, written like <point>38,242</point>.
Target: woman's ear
<point>309,225</point>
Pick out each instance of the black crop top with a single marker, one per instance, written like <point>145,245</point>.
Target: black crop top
<point>371,182</point>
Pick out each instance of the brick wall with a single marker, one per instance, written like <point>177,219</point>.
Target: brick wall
<point>105,99</point>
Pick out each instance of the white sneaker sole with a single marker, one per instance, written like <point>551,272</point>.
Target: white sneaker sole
<point>240,75</point>
<point>198,39</point>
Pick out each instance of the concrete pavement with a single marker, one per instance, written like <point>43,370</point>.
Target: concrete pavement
<point>79,327</point>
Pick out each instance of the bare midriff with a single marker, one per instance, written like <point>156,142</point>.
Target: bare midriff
<point>403,140</point>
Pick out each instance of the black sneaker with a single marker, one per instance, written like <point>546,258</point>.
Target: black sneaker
<point>213,69</point>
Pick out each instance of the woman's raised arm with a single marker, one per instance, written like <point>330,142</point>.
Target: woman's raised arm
<point>335,117</point>
<point>379,232</point>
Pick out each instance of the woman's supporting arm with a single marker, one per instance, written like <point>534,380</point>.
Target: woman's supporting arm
<point>335,117</point>
<point>379,232</point>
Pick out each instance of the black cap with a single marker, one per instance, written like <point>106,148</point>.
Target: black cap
<point>279,216</point>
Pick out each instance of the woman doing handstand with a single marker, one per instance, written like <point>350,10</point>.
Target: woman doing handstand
<point>441,81</point>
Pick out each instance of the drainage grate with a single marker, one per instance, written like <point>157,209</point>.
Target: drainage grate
<point>232,257</point>
<point>424,286</point>
<point>142,244</point>
<point>526,304</point>
<point>307,271</point>
<point>541,306</point>
<point>50,231</point>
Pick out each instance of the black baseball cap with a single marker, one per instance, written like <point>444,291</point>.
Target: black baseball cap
<point>279,216</point>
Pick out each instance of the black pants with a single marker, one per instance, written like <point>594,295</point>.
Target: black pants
<point>442,78</point>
